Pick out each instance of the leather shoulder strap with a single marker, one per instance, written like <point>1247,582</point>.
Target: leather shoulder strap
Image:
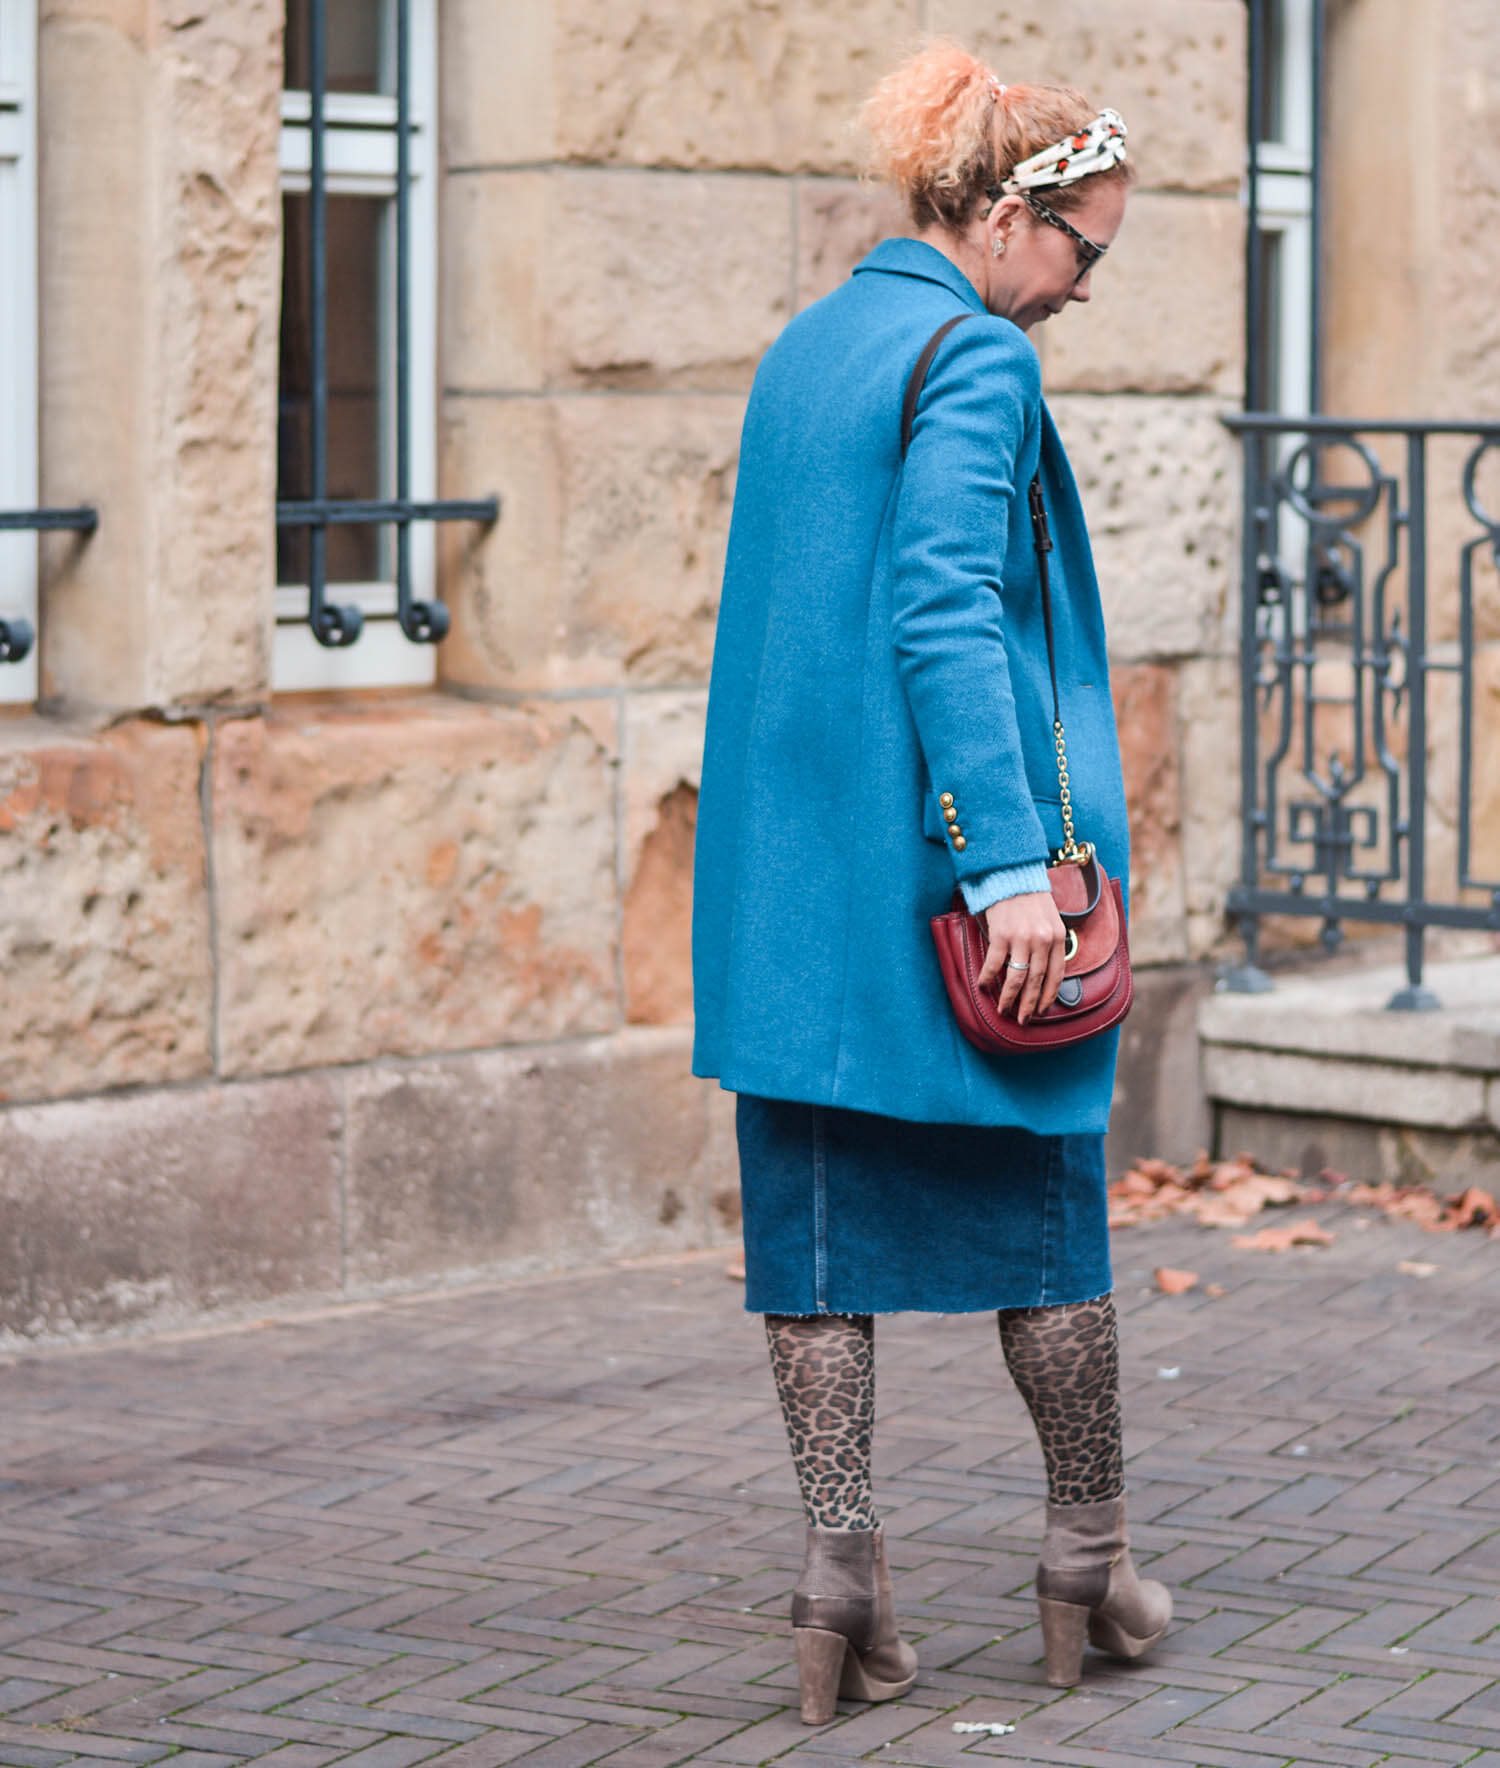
<point>1041,537</point>
<point>919,377</point>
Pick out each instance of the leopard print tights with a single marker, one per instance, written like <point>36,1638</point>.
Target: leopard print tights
<point>1066,1362</point>
<point>824,1367</point>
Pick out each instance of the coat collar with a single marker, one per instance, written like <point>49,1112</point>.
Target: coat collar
<point>911,257</point>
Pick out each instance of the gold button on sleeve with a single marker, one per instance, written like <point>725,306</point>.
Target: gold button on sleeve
<point>959,843</point>
<point>955,832</point>
<point>946,800</point>
<point>950,815</point>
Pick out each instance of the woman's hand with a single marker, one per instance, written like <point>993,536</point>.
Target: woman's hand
<point>1025,959</point>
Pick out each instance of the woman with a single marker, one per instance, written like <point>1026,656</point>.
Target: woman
<point>879,730</point>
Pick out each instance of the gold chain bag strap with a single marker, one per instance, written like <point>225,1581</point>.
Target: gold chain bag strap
<point>1097,987</point>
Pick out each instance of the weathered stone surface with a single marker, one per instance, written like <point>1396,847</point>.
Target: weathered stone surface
<point>160,262</point>
<point>606,562</point>
<point>1446,1161</point>
<point>1145,697</point>
<point>417,876</point>
<point>536,1159</point>
<point>648,485</point>
<point>1382,60</point>
<point>1158,1106</point>
<point>502,584</point>
<point>1344,1016</point>
<point>103,912</point>
<point>496,76</point>
<point>621,279</point>
<point>1173,68</point>
<point>1465,131</point>
<point>663,755</point>
<point>496,237</point>
<point>654,279</point>
<point>1160,481</point>
<point>838,221</point>
<point>663,750</point>
<point>1166,313</point>
<point>157,1206</point>
<point>1208,708</point>
<point>673,82</point>
<point>656,932</point>
<point>1380,1091</point>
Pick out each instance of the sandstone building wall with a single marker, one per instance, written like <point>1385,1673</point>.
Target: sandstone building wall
<point>305,995</point>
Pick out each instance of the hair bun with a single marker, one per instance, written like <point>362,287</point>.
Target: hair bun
<point>939,133</point>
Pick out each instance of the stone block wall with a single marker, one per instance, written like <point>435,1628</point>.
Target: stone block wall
<point>310,995</point>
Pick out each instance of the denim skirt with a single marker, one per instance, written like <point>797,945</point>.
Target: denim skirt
<point>850,1213</point>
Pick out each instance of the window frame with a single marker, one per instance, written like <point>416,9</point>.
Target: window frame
<point>1283,202</point>
<point>360,160</point>
<point>18,335</point>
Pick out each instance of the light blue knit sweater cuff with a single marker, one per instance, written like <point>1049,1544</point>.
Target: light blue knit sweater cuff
<point>991,887</point>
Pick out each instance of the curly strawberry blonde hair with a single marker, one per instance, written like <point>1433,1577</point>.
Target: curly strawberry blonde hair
<point>941,136</point>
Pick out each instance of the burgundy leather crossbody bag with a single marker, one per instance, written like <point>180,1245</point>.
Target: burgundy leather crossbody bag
<point>1097,988</point>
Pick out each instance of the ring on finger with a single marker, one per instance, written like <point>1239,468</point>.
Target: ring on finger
<point>1011,964</point>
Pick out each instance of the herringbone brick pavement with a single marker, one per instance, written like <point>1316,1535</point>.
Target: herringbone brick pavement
<point>554,1524</point>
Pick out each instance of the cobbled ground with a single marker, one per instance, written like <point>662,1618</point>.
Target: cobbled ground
<point>553,1524</point>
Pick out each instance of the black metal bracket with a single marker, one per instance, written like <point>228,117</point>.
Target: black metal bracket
<point>17,635</point>
<point>424,623</point>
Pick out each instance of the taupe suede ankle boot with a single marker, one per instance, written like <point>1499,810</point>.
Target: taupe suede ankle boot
<point>1086,1584</point>
<point>844,1624</point>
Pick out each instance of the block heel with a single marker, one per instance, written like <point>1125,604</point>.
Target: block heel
<point>1065,1626</point>
<point>1087,1587</point>
<point>844,1624</point>
<point>820,1670</point>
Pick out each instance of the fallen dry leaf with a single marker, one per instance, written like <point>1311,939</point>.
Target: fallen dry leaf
<point>1472,1209</point>
<point>1231,1193</point>
<point>1308,1233</point>
<point>1171,1282</point>
<point>1220,1194</point>
<point>1214,1289</point>
<point>1410,1267</point>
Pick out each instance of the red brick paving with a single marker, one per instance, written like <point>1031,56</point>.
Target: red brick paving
<point>554,1525</point>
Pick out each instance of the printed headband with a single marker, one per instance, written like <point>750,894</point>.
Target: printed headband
<point>1094,149</point>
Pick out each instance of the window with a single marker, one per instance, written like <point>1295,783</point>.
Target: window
<point>1282,366</point>
<point>356,438</point>
<point>18,409</point>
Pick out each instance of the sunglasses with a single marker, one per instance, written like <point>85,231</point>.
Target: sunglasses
<point>1089,252</point>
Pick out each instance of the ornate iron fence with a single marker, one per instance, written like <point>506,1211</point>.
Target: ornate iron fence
<point>1362,575</point>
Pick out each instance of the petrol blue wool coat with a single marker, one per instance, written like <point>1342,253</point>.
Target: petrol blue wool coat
<point>880,644</point>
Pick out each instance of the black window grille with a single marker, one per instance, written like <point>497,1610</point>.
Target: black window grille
<point>309,517</point>
<point>17,635</point>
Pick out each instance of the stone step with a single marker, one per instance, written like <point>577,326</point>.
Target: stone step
<point>1320,1072</point>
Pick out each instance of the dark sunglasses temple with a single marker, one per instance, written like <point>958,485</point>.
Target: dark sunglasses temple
<point>1092,251</point>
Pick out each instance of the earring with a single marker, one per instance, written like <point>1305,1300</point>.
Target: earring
<point>999,247</point>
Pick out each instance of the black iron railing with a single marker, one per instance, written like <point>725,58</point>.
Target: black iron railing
<point>1342,587</point>
<point>17,635</point>
<point>423,622</point>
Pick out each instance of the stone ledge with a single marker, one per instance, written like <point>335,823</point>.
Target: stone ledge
<point>1331,1046</point>
<point>1345,1016</point>
<point>168,1207</point>
<point>515,1161</point>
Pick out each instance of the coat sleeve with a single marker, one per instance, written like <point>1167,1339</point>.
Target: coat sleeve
<point>981,399</point>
